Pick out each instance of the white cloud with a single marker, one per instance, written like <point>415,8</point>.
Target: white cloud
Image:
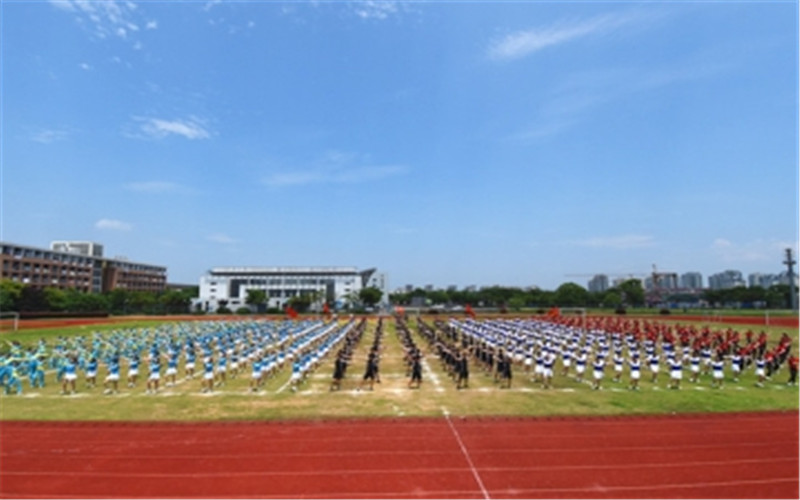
<point>334,175</point>
<point>221,238</point>
<point>85,66</point>
<point>576,98</point>
<point>49,136</point>
<point>375,9</point>
<point>157,187</point>
<point>624,242</point>
<point>112,224</point>
<point>151,25</point>
<point>524,43</point>
<point>156,128</point>
<point>758,250</point>
<point>107,18</point>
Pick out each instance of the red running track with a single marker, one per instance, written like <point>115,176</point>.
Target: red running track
<point>751,455</point>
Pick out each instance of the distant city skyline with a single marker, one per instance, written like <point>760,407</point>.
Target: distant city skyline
<point>445,143</point>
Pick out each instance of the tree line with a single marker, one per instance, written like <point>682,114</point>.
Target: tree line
<point>630,293</point>
<point>15,296</point>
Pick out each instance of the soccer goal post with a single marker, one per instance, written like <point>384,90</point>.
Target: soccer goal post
<point>9,318</point>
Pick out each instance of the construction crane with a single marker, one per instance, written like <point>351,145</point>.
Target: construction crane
<point>655,295</point>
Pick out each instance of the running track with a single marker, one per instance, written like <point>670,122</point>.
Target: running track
<point>751,455</point>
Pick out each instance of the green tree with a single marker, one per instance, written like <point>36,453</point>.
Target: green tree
<point>571,295</point>
<point>612,298</point>
<point>10,295</point>
<point>300,303</point>
<point>257,299</point>
<point>632,293</point>
<point>57,300</point>
<point>516,302</point>
<point>86,302</point>
<point>174,302</point>
<point>370,296</point>
<point>141,302</point>
<point>32,299</point>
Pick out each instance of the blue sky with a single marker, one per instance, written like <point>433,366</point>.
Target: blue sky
<point>449,143</point>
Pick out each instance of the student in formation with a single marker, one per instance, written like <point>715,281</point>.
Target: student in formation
<point>111,383</point>
<point>172,368</point>
<point>793,361</point>
<point>297,373</point>
<point>191,359</point>
<point>597,373</point>
<point>694,365</point>
<point>761,371</point>
<point>549,362</point>
<point>339,368</point>
<point>255,377</point>
<point>717,372</point>
<point>580,366</point>
<point>8,371</point>
<point>70,374</point>
<point>736,364</point>
<point>653,361</point>
<point>538,371</point>
<point>675,372</point>
<point>636,371</point>
<point>222,369</point>
<point>618,363</point>
<point>416,369</point>
<point>91,373</point>
<point>566,360</point>
<point>705,354</point>
<point>462,370</point>
<point>371,371</point>
<point>155,374</point>
<point>133,370</point>
<point>35,371</point>
<point>207,384</point>
<point>528,362</point>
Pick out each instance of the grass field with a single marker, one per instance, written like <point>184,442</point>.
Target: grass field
<point>390,398</point>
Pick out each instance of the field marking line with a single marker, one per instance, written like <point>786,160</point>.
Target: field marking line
<point>657,487</point>
<point>437,384</point>
<point>282,453</point>
<point>466,454</point>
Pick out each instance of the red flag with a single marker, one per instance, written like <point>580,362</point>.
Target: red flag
<point>291,312</point>
<point>468,310</point>
<point>554,312</point>
<point>325,309</point>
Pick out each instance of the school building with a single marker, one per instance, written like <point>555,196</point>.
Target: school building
<point>338,286</point>
<point>77,265</point>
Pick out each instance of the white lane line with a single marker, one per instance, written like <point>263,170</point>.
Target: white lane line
<point>466,455</point>
<point>437,384</point>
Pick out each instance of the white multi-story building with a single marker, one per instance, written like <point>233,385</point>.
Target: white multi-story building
<point>692,281</point>
<point>87,248</point>
<point>726,279</point>
<point>599,283</point>
<point>338,286</point>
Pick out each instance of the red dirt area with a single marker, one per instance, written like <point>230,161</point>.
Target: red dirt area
<point>751,455</point>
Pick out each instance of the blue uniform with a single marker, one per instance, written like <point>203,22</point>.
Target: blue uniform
<point>35,372</point>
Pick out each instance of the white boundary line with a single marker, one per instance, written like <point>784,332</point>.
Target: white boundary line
<point>437,384</point>
<point>466,455</point>
<point>463,493</point>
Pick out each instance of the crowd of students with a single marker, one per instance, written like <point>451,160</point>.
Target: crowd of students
<point>224,350</point>
<point>345,354</point>
<point>536,347</point>
<point>609,344</point>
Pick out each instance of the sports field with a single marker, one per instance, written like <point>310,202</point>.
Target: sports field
<point>436,441</point>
